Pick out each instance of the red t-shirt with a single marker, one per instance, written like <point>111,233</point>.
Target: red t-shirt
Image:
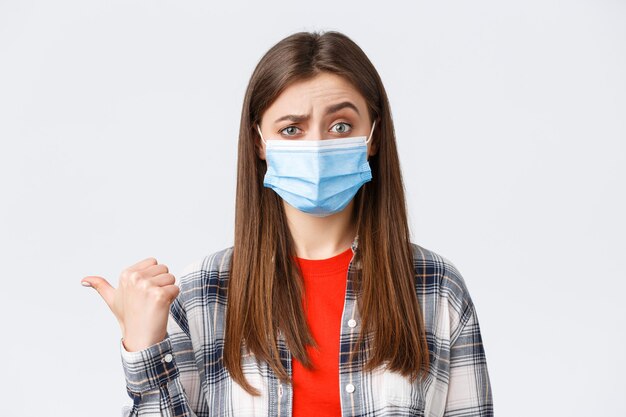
<point>316,392</point>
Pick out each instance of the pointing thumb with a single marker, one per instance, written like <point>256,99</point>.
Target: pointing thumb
<point>101,285</point>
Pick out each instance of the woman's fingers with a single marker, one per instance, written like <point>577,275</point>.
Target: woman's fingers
<point>150,261</point>
<point>162,280</point>
<point>172,292</point>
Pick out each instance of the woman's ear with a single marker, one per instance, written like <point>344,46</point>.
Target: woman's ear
<point>373,145</point>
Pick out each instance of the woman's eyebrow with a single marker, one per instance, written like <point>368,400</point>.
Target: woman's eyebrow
<point>344,104</point>
<point>329,110</point>
<point>293,117</point>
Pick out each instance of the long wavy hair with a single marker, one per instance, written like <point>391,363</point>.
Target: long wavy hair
<point>265,288</point>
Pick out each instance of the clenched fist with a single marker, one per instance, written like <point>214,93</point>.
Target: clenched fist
<point>141,303</point>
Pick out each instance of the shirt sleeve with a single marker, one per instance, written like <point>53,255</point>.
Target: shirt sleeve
<point>163,379</point>
<point>469,388</point>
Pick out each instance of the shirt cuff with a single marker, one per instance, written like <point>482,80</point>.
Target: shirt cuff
<point>149,368</point>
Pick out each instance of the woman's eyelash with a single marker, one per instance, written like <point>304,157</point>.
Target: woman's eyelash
<point>342,123</point>
<point>288,127</point>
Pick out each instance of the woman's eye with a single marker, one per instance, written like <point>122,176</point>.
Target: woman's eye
<point>289,130</point>
<point>341,127</point>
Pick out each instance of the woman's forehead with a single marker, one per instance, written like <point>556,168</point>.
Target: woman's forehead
<point>315,96</point>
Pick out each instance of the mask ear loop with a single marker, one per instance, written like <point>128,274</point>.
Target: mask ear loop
<point>371,131</point>
<point>260,134</point>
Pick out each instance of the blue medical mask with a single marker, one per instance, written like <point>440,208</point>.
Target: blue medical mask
<point>319,177</point>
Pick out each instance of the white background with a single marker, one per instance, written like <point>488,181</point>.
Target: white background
<point>119,124</point>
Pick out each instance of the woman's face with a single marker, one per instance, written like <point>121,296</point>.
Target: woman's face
<point>326,106</point>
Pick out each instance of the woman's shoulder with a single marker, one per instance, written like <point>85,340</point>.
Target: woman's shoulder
<point>438,276</point>
<point>214,265</point>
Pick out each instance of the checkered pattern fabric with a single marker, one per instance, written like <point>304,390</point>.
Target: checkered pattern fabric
<point>184,376</point>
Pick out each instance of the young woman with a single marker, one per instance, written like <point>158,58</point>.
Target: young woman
<point>323,306</point>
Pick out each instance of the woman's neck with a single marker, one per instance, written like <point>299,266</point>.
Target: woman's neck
<point>320,237</point>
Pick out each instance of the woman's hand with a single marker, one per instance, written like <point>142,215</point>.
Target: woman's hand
<point>141,303</point>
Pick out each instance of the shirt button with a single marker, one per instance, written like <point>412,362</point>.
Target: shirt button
<point>352,323</point>
<point>350,388</point>
<point>168,357</point>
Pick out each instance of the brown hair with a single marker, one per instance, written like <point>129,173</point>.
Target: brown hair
<point>265,287</point>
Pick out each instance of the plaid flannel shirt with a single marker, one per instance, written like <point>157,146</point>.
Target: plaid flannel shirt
<point>183,375</point>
